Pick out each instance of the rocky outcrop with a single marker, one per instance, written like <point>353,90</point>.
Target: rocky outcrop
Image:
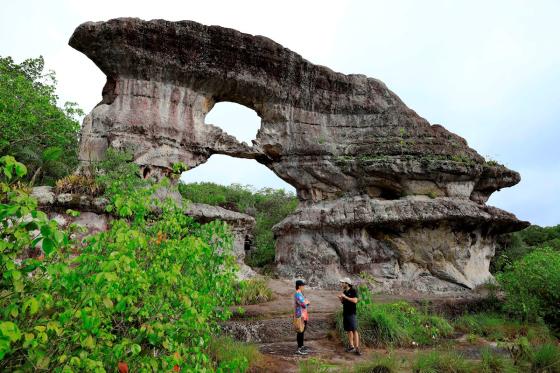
<point>94,218</point>
<point>334,137</point>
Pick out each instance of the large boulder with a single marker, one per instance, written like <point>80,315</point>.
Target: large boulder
<point>334,137</point>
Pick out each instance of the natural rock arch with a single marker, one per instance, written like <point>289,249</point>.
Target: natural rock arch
<point>383,191</point>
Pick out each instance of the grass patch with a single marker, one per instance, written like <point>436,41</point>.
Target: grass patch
<point>546,359</point>
<point>395,324</point>
<point>496,327</point>
<point>313,365</point>
<point>253,291</point>
<point>441,362</point>
<point>494,363</point>
<point>379,364</point>
<point>233,356</point>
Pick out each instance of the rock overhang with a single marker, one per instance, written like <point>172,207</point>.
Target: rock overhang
<point>341,140</point>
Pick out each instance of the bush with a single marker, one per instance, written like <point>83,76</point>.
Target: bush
<point>268,207</point>
<point>253,291</point>
<point>148,293</point>
<point>34,129</point>
<point>395,324</point>
<point>80,184</point>
<point>441,362</point>
<point>546,359</point>
<point>532,287</point>
<point>494,363</point>
<point>230,355</point>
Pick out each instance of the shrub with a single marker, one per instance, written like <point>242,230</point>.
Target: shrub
<point>441,362</point>
<point>80,184</point>
<point>35,129</point>
<point>396,324</point>
<point>268,207</point>
<point>253,291</point>
<point>494,363</point>
<point>148,293</point>
<point>532,286</point>
<point>230,355</point>
<point>545,359</point>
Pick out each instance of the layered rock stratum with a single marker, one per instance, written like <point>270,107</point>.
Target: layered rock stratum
<point>383,193</point>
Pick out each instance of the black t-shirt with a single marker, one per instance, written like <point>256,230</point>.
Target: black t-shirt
<point>349,308</point>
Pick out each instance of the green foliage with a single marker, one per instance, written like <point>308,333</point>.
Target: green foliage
<point>81,184</point>
<point>149,291</point>
<point>233,356</point>
<point>500,327</point>
<point>268,207</point>
<point>546,359</point>
<point>395,324</point>
<point>494,363</point>
<point>513,246</point>
<point>253,291</point>
<point>441,362</point>
<point>379,364</point>
<point>532,286</point>
<point>34,129</point>
<point>313,365</point>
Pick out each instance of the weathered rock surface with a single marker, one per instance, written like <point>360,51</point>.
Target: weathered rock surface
<point>94,218</point>
<point>334,137</point>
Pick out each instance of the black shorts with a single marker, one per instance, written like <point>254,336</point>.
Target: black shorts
<point>349,322</point>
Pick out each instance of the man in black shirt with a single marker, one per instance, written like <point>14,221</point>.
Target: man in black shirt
<point>349,298</point>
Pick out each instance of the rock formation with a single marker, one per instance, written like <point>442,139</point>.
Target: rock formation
<point>94,218</point>
<point>382,191</point>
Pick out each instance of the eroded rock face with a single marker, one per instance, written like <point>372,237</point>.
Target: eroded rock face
<point>94,218</point>
<point>334,137</point>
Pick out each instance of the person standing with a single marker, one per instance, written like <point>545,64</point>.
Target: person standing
<point>301,304</point>
<point>349,299</point>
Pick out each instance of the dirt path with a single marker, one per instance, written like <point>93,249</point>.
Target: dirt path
<point>269,326</point>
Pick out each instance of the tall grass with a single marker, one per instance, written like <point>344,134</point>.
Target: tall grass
<point>233,356</point>
<point>395,324</point>
<point>496,327</point>
<point>253,291</point>
<point>546,359</point>
<point>378,364</point>
<point>441,362</point>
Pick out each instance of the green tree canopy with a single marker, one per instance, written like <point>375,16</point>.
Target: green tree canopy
<point>32,127</point>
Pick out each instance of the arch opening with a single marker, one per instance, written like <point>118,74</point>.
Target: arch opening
<point>237,120</point>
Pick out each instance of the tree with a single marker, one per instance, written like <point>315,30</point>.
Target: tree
<point>33,128</point>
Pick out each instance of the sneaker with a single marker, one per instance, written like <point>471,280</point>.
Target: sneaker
<point>357,352</point>
<point>301,351</point>
<point>350,349</point>
<point>305,348</point>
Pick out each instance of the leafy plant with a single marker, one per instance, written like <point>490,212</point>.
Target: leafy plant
<point>268,207</point>
<point>34,129</point>
<point>80,184</point>
<point>148,293</point>
<point>532,286</point>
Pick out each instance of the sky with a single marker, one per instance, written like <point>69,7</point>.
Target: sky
<point>486,70</point>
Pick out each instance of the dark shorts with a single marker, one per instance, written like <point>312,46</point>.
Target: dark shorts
<point>350,323</point>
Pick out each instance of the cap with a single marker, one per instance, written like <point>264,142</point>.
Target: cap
<point>346,280</point>
<point>300,283</point>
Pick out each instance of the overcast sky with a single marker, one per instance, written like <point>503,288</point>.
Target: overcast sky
<point>486,70</point>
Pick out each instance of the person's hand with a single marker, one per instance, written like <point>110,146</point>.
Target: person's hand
<point>306,302</point>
